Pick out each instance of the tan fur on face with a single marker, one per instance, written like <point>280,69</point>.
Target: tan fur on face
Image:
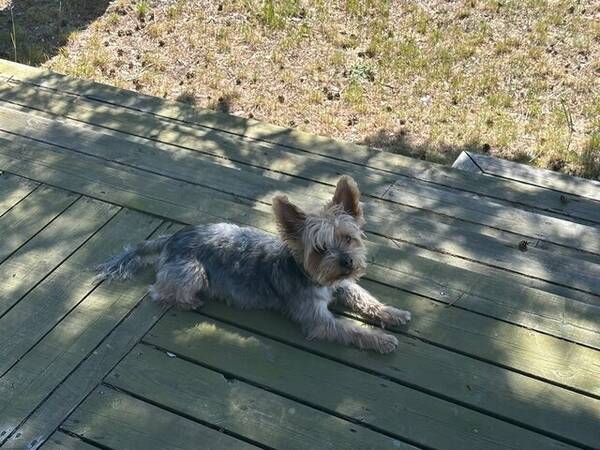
<point>320,241</point>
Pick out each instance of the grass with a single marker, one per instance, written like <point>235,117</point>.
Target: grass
<point>142,9</point>
<point>516,79</point>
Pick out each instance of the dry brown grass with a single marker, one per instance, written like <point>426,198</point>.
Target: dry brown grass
<point>517,79</point>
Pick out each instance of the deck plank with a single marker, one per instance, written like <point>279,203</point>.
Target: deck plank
<point>503,326</point>
<point>406,225</point>
<point>385,406</point>
<point>50,301</point>
<point>240,408</point>
<point>114,420</point>
<point>505,276</point>
<point>464,212</point>
<point>40,424</point>
<point>193,211</point>
<point>310,144</point>
<point>496,341</point>
<point>80,182</point>
<point>36,374</point>
<point>192,146</point>
<point>12,190</point>
<point>539,177</point>
<point>63,441</point>
<point>466,381</point>
<point>555,233</point>
<point>125,186</point>
<point>30,216</point>
<point>487,294</point>
<point>152,185</point>
<point>32,262</point>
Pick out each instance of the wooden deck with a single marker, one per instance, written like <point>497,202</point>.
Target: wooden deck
<point>501,274</point>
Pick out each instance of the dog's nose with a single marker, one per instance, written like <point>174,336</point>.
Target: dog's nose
<point>347,262</point>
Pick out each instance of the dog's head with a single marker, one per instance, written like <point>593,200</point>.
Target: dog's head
<point>329,244</point>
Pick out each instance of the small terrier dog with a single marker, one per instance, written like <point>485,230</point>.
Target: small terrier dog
<point>317,259</point>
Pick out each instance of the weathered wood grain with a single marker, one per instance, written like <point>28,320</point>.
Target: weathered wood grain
<point>115,420</point>
<point>63,441</point>
<point>538,177</point>
<point>387,406</point>
<point>240,408</point>
<point>523,357</point>
<point>51,300</point>
<point>37,373</point>
<point>466,381</point>
<point>399,267</point>
<point>189,213</point>
<point>310,144</point>
<point>32,262</point>
<point>188,144</point>
<point>127,186</point>
<point>408,225</point>
<point>13,189</point>
<point>40,424</point>
<point>31,215</point>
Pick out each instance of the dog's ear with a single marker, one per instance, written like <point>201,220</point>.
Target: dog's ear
<point>347,196</point>
<point>290,219</point>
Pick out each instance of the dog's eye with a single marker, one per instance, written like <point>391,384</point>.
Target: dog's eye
<point>348,239</point>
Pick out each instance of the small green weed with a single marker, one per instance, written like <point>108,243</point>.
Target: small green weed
<point>142,9</point>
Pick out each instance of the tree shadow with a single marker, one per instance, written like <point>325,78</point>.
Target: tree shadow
<point>33,31</point>
<point>185,168</point>
<point>402,143</point>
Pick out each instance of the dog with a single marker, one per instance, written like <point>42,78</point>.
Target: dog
<point>317,259</point>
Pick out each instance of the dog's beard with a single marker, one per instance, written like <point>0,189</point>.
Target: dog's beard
<point>328,272</point>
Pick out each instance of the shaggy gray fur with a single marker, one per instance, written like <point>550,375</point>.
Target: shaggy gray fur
<point>317,258</point>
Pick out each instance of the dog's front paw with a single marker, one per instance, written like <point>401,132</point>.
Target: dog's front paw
<point>386,343</point>
<point>394,316</point>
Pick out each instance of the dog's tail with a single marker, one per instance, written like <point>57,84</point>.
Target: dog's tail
<point>126,264</point>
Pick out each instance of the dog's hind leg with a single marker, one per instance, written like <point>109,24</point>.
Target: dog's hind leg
<point>180,283</point>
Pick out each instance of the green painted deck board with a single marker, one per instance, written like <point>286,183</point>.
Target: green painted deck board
<point>538,177</point>
<point>359,155</point>
<point>235,211</point>
<point>408,225</point>
<point>512,302</point>
<point>222,174</point>
<point>111,182</point>
<point>115,420</point>
<point>504,276</point>
<point>466,381</point>
<point>36,374</point>
<point>12,190</point>
<point>432,267</point>
<point>30,215</point>
<point>240,408</point>
<point>42,254</point>
<point>249,215</point>
<point>45,306</point>
<point>491,360</point>
<point>151,202</point>
<point>389,407</point>
<point>63,441</point>
<point>406,192</point>
<point>65,397</point>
